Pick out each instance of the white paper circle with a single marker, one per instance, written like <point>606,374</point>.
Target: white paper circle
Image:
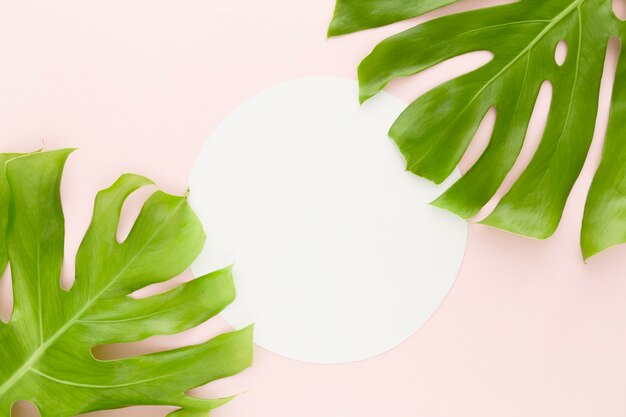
<point>338,257</point>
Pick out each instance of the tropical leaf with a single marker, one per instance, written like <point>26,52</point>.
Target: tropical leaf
<point>46,347</point>
<point>436,129</point>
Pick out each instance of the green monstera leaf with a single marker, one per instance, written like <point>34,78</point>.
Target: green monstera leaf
<point>436,129</point>
<point>46,347</point>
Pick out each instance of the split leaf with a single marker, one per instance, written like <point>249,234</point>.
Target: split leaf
<point>46,347</point>
<point>435,130</point>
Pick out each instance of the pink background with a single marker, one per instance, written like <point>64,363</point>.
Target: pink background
<point>139,85</point>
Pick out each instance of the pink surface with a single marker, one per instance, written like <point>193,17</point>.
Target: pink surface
<point>139,85</point>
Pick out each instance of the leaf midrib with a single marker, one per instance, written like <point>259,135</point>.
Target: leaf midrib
<point>38,353</point>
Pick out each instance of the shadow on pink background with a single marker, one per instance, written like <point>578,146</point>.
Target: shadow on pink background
<point>138,86</point>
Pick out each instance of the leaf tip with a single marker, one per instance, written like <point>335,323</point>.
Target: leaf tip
<point>335,26</point>
<point>589,249</point>
<point>228,269</point>
<point>331,32</point>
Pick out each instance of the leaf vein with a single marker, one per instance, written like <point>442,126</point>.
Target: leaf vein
<point>95,386</point>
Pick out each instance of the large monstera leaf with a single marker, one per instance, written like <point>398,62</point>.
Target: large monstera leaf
<point>436,129</point>
<point>45,348</point>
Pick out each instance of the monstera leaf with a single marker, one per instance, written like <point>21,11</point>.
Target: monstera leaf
<point>45,348</point>
<point>436,129</point>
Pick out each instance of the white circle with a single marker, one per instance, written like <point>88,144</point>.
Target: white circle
<point>338,257</point>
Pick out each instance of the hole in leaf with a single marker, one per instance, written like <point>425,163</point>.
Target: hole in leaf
<point>161,287</point>
<point>619,8</point>
<point>130,211</point>
<point>410,88</point>
<point>536,127</point>
<point>604,108</point>
<point>199,334</point>
<point>6,296</point>
<point>78,210</point>
<point>479,142</point>
<point>560,54</point>
<point>455,7</point>
<point>224,388</point>
<point>24,409</point>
